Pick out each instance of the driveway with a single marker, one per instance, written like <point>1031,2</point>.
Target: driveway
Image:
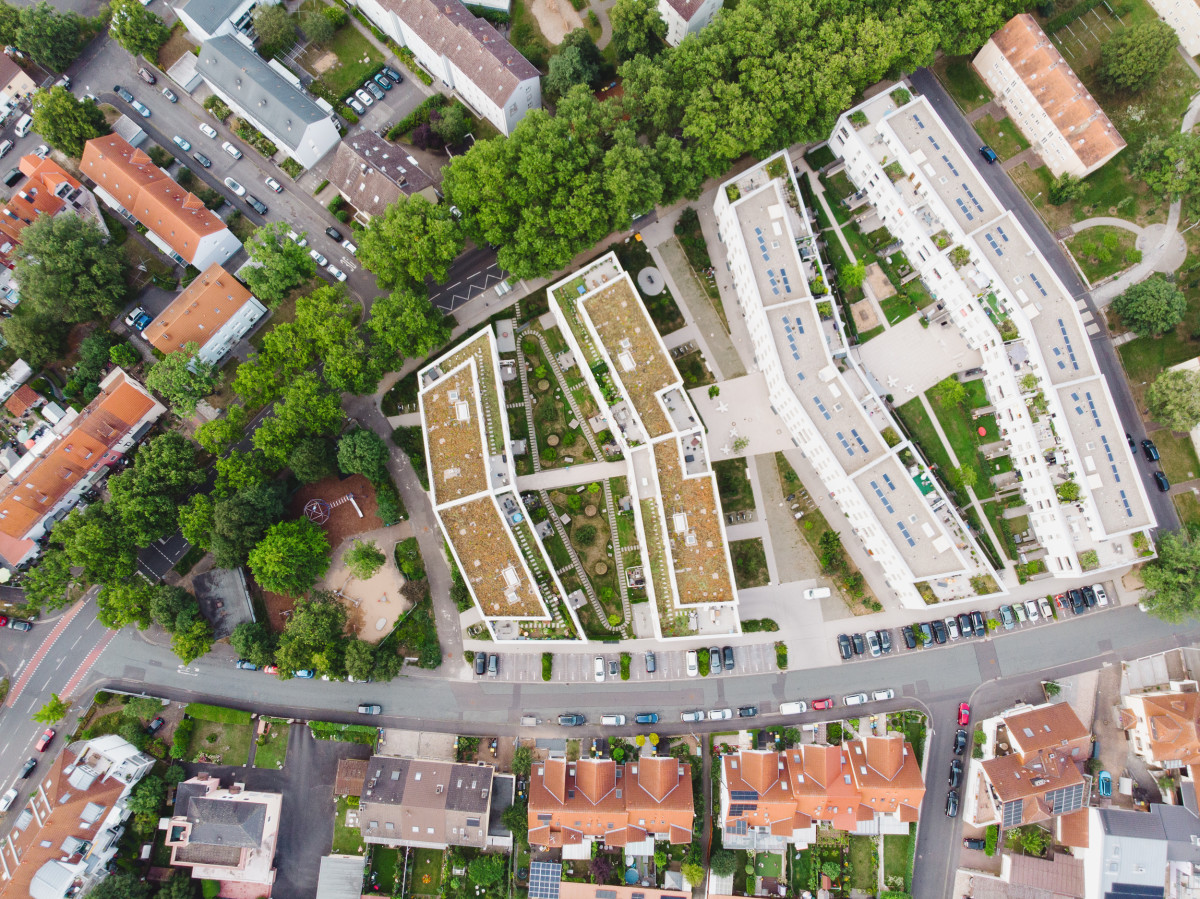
<point>306,820</point>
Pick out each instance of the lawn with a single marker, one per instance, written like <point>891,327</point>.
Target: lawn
<point>963,433</point>
<point>994,512</point>
<point>733,485</point>
<point>272,751</point>
<point>1103,251</point>
<point>527,36</point>
<point>896,309</point>
<point>384,861</point>
<point>864,861</point>
<point>820,157</point>
<point>917,423</point>
<point>1178,456</point>
<point>962,82</point>
<point>1111,190</point>
<point>426,877</point>
<point>693,370</point>
<point>1145,357</point>
<point>1188,507</point>
<point>768,864</point>
<point>225,744</point>
<point>351,47</point>
<point>1001,136</point>
<point>895,856</point>
<point>800,870</point>
<point>749,563</point>
<point>346,840</point>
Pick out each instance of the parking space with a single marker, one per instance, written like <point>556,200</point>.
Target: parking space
<point>579,667</point>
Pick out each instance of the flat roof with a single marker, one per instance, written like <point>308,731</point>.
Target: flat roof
<point>908,519</point>
<point>479,348</point>
<point>770,248</point>
<point>458,465</point>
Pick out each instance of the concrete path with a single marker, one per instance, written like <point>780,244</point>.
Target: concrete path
<point>722,357</point>
<point>557,478</point>
<point>1101,221</point>
<point>1028,156</point>
<point>818,190</point>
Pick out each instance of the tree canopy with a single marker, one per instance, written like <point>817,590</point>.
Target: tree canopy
<point>290,558</point>
<point>1151,307</point>
<point>136,28</point>
<point>413,240</point>
<point>1170,165</point>
<point>363,559</point>
<point>52,38</point>
<point>314,636</point>
<point>146,496</point>
<point>1173,579</point>
<point>307,407</point>
<point>240,521</point>
<point>66,121</point>
<point>275,30</point>
<point>637,28</point>
<point>254,641</point>
<point>280,264</point>
<point>1132,59</point>
<point>578,60</point>
<point>363,452</point>
<point>405,325</point>
<point>1174,399</point>
<point>67,270</point>
<point>182,378</point>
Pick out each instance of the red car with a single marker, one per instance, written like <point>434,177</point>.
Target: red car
<point>45,740</point>
<point>271,669</point>
<point>3,621</point>
<point>964,714</point>
<point>822,704</point>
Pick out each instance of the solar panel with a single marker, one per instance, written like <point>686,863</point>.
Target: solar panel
<point>1012,814</point>
<point>743,795</point>
<point>544,878</point>
<point>1066,799</point>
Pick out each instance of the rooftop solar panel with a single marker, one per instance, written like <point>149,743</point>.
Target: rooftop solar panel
<point>544,878</point>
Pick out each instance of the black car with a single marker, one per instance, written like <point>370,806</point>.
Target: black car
<point>1160,481</point>
<point>155,725</point>
<point>27,768</point>
<point>1132,445</point>
<point>392,73</point>
<point>122,93</point>
<point>860,644</point>
<point>203,160</point>
<point>955,773</point>
<point>1077,603</point>
<point>480,663</point>
<point>334,233</point>
<point>571,720</point>
<point>844,647</point>
<point>977,622</point>
<point>1150,451</point>
<point>748,711</point>
<point>952,804</point>
<point>885,640</point>
<point>727,655</point>
<point>910,639</point>
<point>974,843</point>
<point>960,742</point>
<point>940,634</point>
<point>256,204</point>
<point>965,626</point>
<point>1089,597</point>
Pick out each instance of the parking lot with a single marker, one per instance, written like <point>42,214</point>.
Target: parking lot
<point>578,667</point>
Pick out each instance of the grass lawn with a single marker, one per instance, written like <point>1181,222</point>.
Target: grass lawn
<point>693,370</point>
<point>895,855</point>
<point>1188,508</point>
<point>820,157</point>
<point>799,870</point>
<point>177,44</point>
<point>427,863</point>
<point>351,47</point>
<point>863,862</point>
<point>733,485</point>
<point>1145,357</point>
<point>346,840</point>
<point>768,864</point>
<point>1001,136</point>
<point>229,742</point>
<point>1178,456</point>
<point>273,752</point>
<point>897,308</point>
<point>1103,251</point>
<point>994,512</point>
<point>749,563</point>
<point>962,82</point>
<point>977,396</point>
<point>963,433</point>
<point>912,415</point>
<point>384,861</point>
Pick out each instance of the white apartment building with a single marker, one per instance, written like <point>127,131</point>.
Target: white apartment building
<point>205,19</point>
<point>684,17</point>
<point>466,54</point>
<point>921,183</point>
<point>1046,100</point>
<point>1184,17</point>
<point>832,415</point>
<point>214,312</point>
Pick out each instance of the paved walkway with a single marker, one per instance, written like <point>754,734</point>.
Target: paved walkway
<point>696,307</point>
<point>557,478</point>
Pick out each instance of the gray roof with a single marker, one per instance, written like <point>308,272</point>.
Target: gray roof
<point>428,784</point>
<point>341,877</point>
<point>51,881</point>
<point>208,14</point>
<point>238,72</point>
<point>373,173</point>
<point>504,791</point>
<point>225,822</point>
<point>1124,823</point>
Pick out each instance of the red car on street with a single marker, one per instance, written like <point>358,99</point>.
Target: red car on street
<point>822,704</point>
<point>964,714</point>
<point>45,740</point>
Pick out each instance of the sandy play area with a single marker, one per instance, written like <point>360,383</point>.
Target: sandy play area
<point>556,18</point>
<point>374,605</point>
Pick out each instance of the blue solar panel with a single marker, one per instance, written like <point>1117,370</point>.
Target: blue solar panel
<point>544,879</point>
<point>887,480</point>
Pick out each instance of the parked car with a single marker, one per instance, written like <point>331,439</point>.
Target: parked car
<point>256,204</point>
<point>1104,784</point>
<point>1150,451</point>
<point>1101,595</point>
<point>41,151</point>
<point>822,704</point>
<point>336,272</point>
<point>976,843</point>
<point>147,76</point>
<point>978,624</point>
<point>320,260</point>
<point>156,724</point>
<point>480,663</point>
<point>720,714</point>
<point>873,643</point>
<point>910,639</point>
<point>170,95</point>
<point>940,634</point>
<point>952,627</point>
<point>955,772</point>
<point>45,739</point>
<point>651,662</point>
<point>748,711</point>
<point>1077,602</point>
<point>693,716</point>
<point>122,93</point>
<point>1031,610</point>
<point>333,233</point>
<point>964,714</point>
<point>139,323</point>
<point>207,130</point>
<point>274,185</point>
<point>203,160</point>
<point>988,154</point>
<point>844,647</point>
<point>854,699</point>
<point>231,150</point>
<point>235,187</point>
<point>693,666</point>
<point>246,665</point>
<point>304,673</point>
<point>646,718</point>
<point>1046,608</point>
<point>368,708</point>
<point>727,657</point>
<point>349,248</point>
<point>952,804</point>
<point>364,98</point>
<point>598,670</point>
<point>612,720</point>
<point>885,641</point>
<point>8,799</point>
<point>297,239</point>
<point>965,627</point>
<point>960,742</point>
<point>883,695</point>
<point>19,624</point>
<point>393,74</point>
<point>356,106</point>
<point>493,665</point>
<point>374,89</point>
<point>571,720</point>
<point>181,143</point>
<point>1160,479</point>
<point>860,644</point>
<point>27,768</point>
<point>382,81</point>
<point>926,632</point>
<point>793,708</point>
<point>1007,618</point>
<point>614,668</point>
<point>142,110</point>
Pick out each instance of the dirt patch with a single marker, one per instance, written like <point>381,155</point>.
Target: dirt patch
<point>864,315</point>
<point>375,605</point>
<point>556,18</point>
<point>879,283</point>
<point>177,45</point>
<point>321,64</point>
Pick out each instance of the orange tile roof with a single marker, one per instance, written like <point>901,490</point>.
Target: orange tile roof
<point>1045,726</point>
<point>1072,829</point>
<point>35,198</point>
<point>1172,725</point>
<point>198,312</point>
<point>22,400</point>
<point>106,420</point>
<point>128,175</point>
<point>1058,90</point>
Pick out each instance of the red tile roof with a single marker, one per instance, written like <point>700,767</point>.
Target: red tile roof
<point>198,312</point>
<point>24,399</point>
<point>35,198</point>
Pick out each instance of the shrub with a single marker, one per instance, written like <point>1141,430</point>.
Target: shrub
<point>989,839</point>
<point>547,665</point>
<point>781,655</point>
<point>217,714</point>
<point>419,116</point>
<point>181,738</point>
<point>343,733</point>
<point>626,658</point>
<point>757,625</point>
<point>217,107</point>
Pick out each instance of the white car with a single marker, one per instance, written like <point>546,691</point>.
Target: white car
<point>297,239</point>
<point>598,670</point>
<point>1031,609</point>
<point>793,708</point>
<point>855,699</point>
<point>349,248</point>
<point>8,799</point>
<point>612,720</point>
<point>231,150</point>
<point>873,643</point>
<point>693,663</point>
<point>1047,609</point>
<point>720,714</point>
<point>207,130</point>
<point>1101,596</point>
<point>274,185</point>
<point>133,316</point>
<point>952,627</point>
<point>141,108</point>
<point>336,272</point>
<point>817,593</point>
<point>356,106</point>
<point>181,143</point>
<point>235,187</point>
<point>697,715</point>
<point>364,98</point>
<point>320,260</point>
<point>42,151</point>
<point>881,695</point>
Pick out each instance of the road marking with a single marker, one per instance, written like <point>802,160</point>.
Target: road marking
<point>87,663</point>
<point>77,639</point>
<point>42,651</point>
<point>60,663</point>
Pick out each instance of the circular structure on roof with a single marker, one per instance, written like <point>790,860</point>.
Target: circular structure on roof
<point>317,511</point>
<point>552,440</point>
<point>590,511</point>
<point>650,280</point>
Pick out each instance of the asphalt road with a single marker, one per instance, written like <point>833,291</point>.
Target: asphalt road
<point>472,273</point>
<point>1012,198</point>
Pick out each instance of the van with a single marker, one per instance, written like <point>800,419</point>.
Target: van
<point>793,708</point>
<point>493,664</point>
<point>231,150</point>
<point>24,125</point>
<point>612,720</point>
<point>12,177</point>
<point>817,593</point>
<point>855,699</point>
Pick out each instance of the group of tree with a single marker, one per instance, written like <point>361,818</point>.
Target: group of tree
<point>280,264</point>
<point>182,378</point>
<point>136,602</point>
<point>51,37</point>
<point>1172,580</point>
<point>67,121</point>
<point>638,28</point>
<point>136,28</point>
<point>577,61</point>
<point>1132,59</point>
<point>124,885</point>
<point>275,29</point>
<point>1174,400</point>
<point>1151,307</point>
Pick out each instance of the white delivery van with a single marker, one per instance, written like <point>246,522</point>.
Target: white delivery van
<point>612,720</point>
<point>24,124</point>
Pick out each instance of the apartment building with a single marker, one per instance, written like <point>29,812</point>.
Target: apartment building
<point>63,839</point>
<point>15,82</point>
<point>627,806</point>
<point>466,54</point>
<point>771,800</point>
<point>1184,17</point>
<point>214,312</point>
<point>922,184</point>
<point>1045,99</point>
<point>372,174</point>
<point>1163,727</point>
<point>206,19</point>
<point>1143,853</point>
<point>176,220</point>
<point>684,17</point>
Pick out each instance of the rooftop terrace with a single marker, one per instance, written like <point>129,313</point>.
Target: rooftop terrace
<point>480,348</point>
<point>458,463</point>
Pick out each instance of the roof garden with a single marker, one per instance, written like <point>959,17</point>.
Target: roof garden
<point>480,349</point>
<point>458,463</point>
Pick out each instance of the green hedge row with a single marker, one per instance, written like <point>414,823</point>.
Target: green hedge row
<point>754,625</point>
<point>418,116</point>
<point>216,713</point>
<point>343,733</point>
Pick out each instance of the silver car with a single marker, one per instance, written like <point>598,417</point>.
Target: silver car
<point>364,98</point>
<point>142,110</point>
<point>320,260</point>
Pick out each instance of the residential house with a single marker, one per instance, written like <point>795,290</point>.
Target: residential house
<point>772,799</point>
<point>16,375</point>
<point>372,174</point>
<point>61,461</point>
<point>684,17</point>
<point>1184,17</point>
<point>23,400</point>
<point>64,837</point>
<point>1163,727</point>
<point>226,834</point>
<point>48,190</point>
<point>432,804</point>
<point>1046,100</point>
<point>273,103</point>
<point>215,311</point>
<point>176,220</point>
<point>1026,877</point>
<point>1032,772</point>
<point>15,82</point>
<point>464,53</point>
<point>628,806</point>
<point>1145,854</point>
<point>206,19</point>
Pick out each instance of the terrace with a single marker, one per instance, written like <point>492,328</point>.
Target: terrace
<point>490,560</point>
<point>696,538</point>
<point>458,462</point>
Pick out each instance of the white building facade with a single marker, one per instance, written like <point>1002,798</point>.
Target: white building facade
<point>684,17</point>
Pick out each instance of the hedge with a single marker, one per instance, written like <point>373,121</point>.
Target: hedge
<point>989,840</point>
<point>418,116</point>
<point>495,16</point>
<point>410,62</point>
<point>216,713</point>
<point>547,665</point>
<point>781,655</point>
<point>754,625</point>
<point>181,738</point>
<point>343,733</point>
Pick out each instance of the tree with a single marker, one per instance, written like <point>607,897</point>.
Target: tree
<point>170,607</point>
<point>65,121</point>
<point>486,870</point>
<point>693,873</point>
<point>1064,188</point>
<point>240,521</point>
<point>516,819</point>
<point>452,124</point>
<point>1131,59</point>
<point>723,863</point>
<point>601,868</point>
<point>314,636</point>
<point>364,559</point>
<point>363,452</point>
<point>196,520</point>
<point>218,435</point>
<point>522,760</point>
<point>413,240</point>
<point>123,886</point>
<point>1068,491</point>
<point>313,459</point>
<point>966,475</point>
<point>53,711</point>
<point>181,885</point>
<point>123,355</point>
<point>1174,399</point>
<point>949,392</point>
<point>360,659</point>
<point>852,275</point>
<point>290,558</point>
<point>307,407</point>
<point>10,21</point>
<point>637,27</point>
<point>95,541</point>
<point>148,796</point>
<point>254,641</point>
<point>136,28</point>
<point>147,495</point>
<point>831,869</point>
<point>182,378</point>
<point>192,640</point>
<point>66,268</point>
<point>50,584</point>
<point>275,30</point>
<point>280,264</point>
<point>329,318</point>
<point>1173,579</point>
<point>577,61</point>
<point>239,470</point>
<point>125,602</point>
<point>50,37</point>
<point>317,28</point>
<point>405,325</point>
<point>1169,165</point>
<point>34,336</point>
<point>1152,307</point>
